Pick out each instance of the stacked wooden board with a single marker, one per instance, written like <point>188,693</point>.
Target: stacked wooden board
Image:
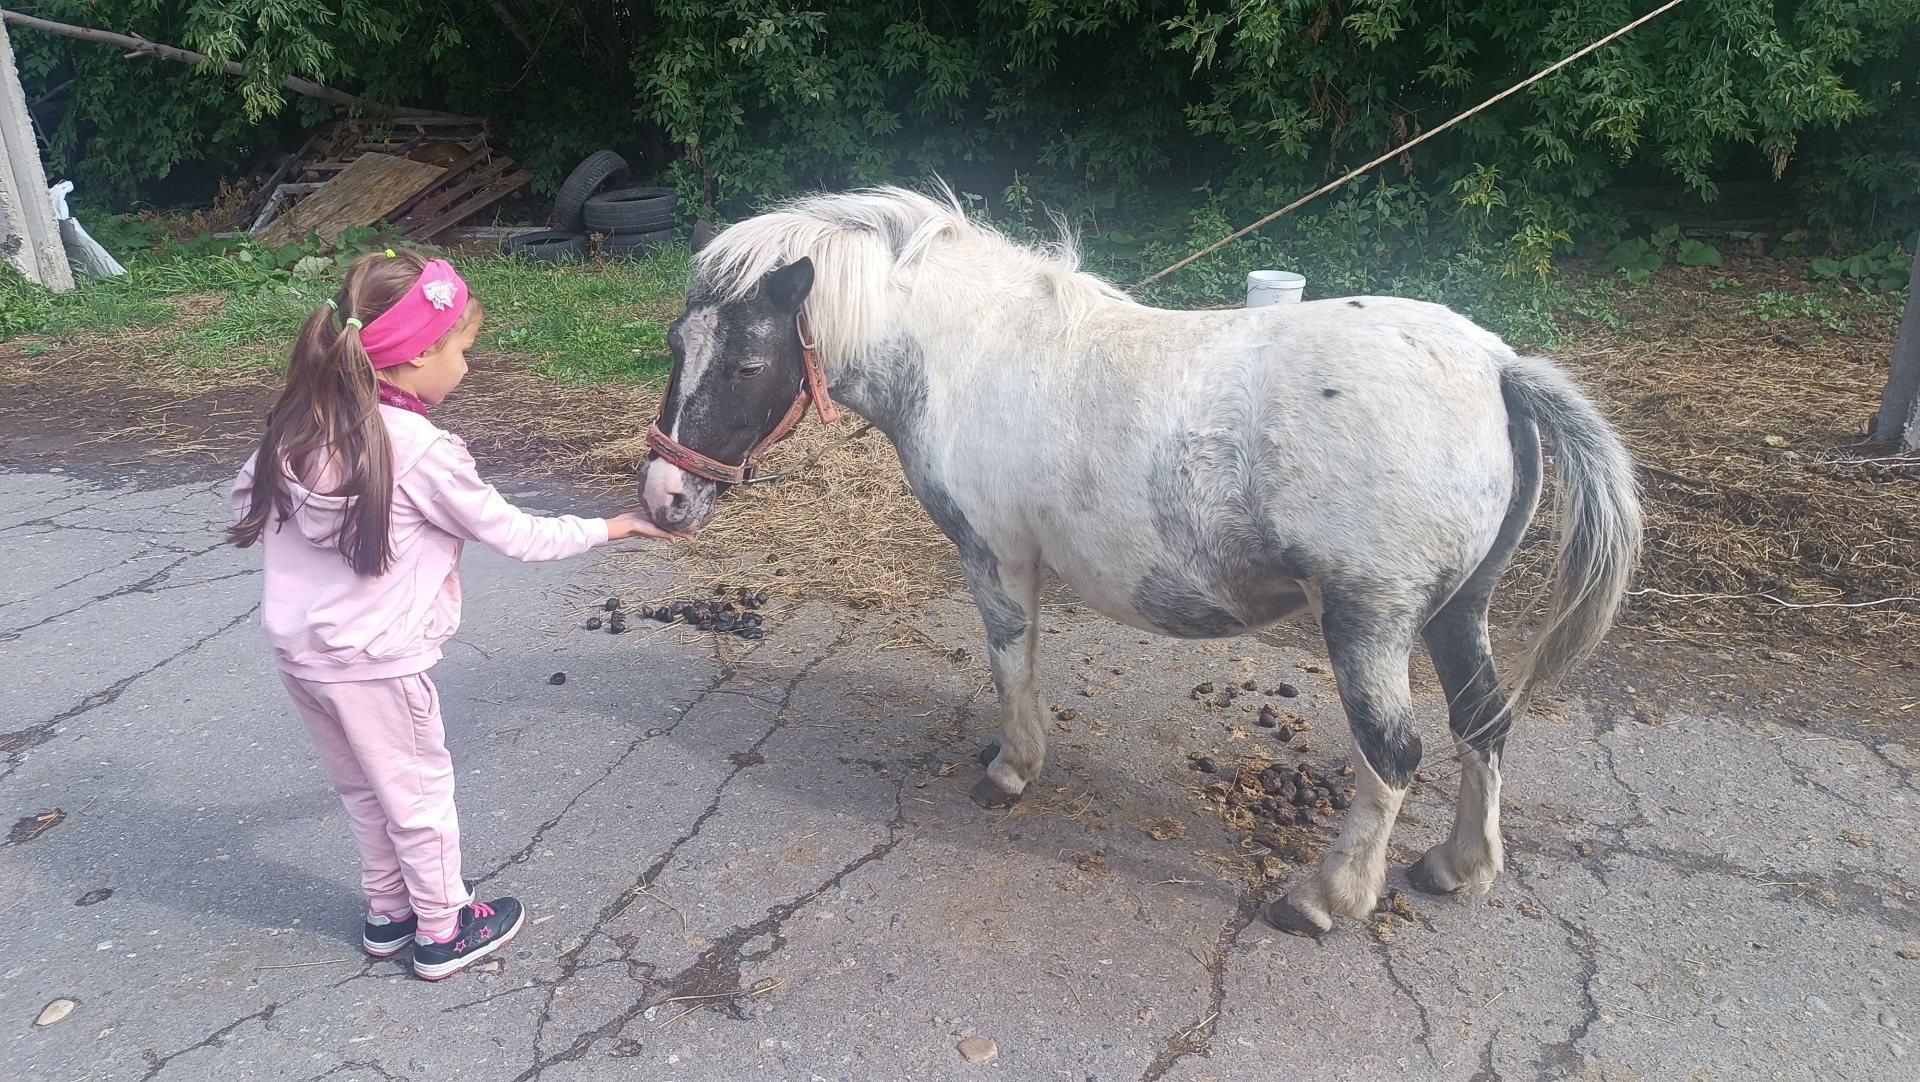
<point>424,175</point>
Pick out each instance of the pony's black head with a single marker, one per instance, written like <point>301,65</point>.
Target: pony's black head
<point>738,366</point>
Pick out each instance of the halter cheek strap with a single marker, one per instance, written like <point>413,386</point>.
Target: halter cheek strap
<point>813,391</point>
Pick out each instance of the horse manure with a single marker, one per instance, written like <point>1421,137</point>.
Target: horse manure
<point>557,679</point>
<point>1247,685</point>
<point>1285,691</point>
<point>1203,689</point>
<point>1304,817</point>
<point>1283,734</point>
<point>616,626</point>
<point>95,896</point>
<point>612,604</point>
<point>1341,800</point>
<point>593,623</point>
<point>1268,717</point>
<point>1067,715</point>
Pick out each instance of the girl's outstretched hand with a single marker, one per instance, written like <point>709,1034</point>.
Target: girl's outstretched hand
<point>635,524</point>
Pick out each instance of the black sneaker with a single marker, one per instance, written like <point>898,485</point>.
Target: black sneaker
<point>484,928</point>
<point>384,937</point>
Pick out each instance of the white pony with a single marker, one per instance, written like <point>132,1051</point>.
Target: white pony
<point>1197,474</point>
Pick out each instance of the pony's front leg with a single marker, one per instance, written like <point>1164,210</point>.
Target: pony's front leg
<point>1370,665</point>
<point>1008,594</point>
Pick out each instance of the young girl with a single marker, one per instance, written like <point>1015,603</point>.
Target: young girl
<point>362,505</point>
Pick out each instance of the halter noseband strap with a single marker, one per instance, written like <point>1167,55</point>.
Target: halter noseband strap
<point>813,391</point>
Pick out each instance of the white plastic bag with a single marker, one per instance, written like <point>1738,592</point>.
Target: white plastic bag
<point>84,254</point>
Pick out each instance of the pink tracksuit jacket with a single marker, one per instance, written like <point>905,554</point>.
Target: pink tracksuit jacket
<point>328,624</point>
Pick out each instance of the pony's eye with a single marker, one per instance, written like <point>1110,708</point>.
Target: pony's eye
<point>748,371</point>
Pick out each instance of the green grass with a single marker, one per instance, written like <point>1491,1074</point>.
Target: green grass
<point>243,306</point>
<point>582,323</point>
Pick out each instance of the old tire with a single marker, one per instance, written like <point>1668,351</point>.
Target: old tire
<point>601,168</point>
<point>549,245</point>
<point>634,245</point>
<point>631,210</point>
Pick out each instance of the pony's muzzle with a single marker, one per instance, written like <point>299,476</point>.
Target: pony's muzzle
<point>674,498</point>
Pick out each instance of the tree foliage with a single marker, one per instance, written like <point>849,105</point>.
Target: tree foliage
<point>1119,111</point>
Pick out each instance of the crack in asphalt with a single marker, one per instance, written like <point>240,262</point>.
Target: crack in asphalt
<point>14,745</point>
<point>1385,950</point>
<point>1562,1058</point>
<point>360,1065</point>
<point>1197,1039</point>
<point>717,970</point>
<point>157,1063</point>
<point>144,586</point>
<point>1486,1073</point>
<point>1907,776</point>
<point>569,962</point>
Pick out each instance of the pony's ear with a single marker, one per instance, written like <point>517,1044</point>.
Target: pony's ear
<point>787,288</point>
<point>703,234</point>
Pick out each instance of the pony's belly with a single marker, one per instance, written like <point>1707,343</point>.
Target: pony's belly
<point>1166,605</point>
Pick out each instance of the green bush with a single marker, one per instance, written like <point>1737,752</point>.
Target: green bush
<point>1142,120</point>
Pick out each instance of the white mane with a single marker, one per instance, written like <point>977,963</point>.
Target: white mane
<point>861,241</point>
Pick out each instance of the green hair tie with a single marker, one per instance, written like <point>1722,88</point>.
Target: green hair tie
<point>352,322</point>
<point>331,303</point>
<point>390,254</point>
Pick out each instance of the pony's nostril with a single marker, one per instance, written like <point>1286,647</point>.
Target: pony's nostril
<point>679,500</point>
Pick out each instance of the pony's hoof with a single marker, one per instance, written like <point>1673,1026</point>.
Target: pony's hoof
<point>985,756</point>
<point>1282,915</point>
<point>988,795</point>
<point>1420,875</point>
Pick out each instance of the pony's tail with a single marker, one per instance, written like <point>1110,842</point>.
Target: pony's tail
<point>1598,507</point>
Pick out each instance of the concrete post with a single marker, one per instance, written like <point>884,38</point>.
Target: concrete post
<point>29,237</point>
<point>1899,417</point>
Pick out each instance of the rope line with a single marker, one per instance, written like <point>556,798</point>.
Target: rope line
<point>1404,147</point>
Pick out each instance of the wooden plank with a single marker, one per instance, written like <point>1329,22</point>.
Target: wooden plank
<point>454,172</point>
<point>432,206</point>
<point>364,192</point>
<point>473,205</point>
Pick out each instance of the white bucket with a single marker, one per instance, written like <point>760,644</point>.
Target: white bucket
<point>1266,287</point>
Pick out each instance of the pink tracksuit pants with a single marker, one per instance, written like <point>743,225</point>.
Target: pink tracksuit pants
<point>386,753</point>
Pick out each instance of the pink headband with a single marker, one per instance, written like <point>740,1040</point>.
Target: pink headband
<point>411,327</point>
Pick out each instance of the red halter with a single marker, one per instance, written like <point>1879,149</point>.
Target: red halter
<point>813,390</point>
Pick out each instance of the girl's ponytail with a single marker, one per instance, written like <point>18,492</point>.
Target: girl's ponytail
<point>326,430</point>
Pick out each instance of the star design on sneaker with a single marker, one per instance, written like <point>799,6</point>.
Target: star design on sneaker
<point>440,293</point>
<point>481,928</point>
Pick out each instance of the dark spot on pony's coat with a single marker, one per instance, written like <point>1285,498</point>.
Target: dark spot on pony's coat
<point>1356,304</point>
<point>894,395</point>
<point>1329,392</point>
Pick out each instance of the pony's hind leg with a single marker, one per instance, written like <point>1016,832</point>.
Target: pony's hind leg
<point>1009,599</point>
<point>1370,643</point>
<point>1472,856</point>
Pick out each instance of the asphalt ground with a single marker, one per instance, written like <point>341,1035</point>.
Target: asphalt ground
<point>753,860</point>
